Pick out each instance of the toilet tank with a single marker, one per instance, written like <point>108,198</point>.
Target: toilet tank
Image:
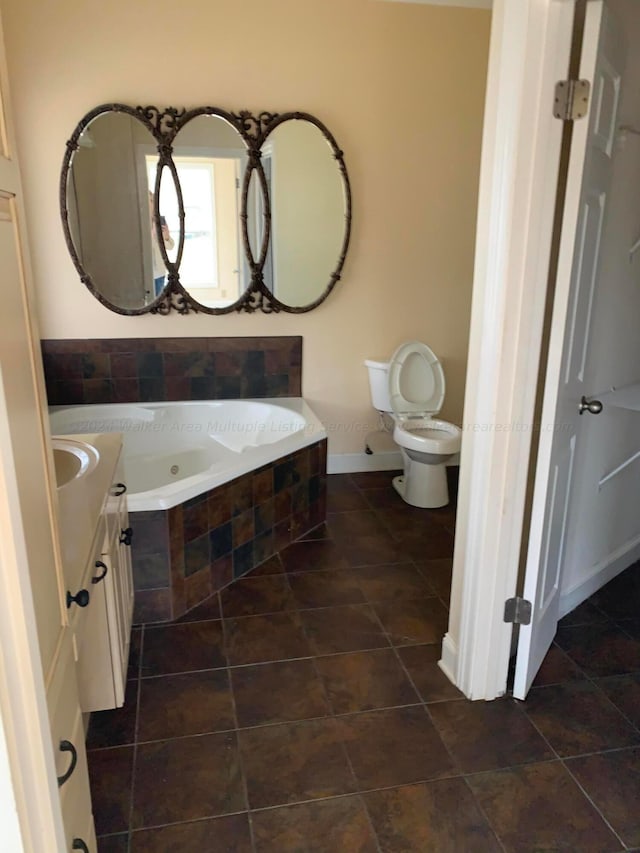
<point>379,384</point>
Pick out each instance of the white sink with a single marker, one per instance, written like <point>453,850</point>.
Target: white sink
<point>73,460</point>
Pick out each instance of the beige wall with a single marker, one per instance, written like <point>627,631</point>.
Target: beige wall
<point>401,87</point>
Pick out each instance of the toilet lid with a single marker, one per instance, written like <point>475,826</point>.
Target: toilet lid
<point>416,380</point>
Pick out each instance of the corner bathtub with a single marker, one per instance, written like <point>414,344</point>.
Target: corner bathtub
<point>177,450</point>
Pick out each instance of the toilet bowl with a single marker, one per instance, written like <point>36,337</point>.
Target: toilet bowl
<point>411,387</point>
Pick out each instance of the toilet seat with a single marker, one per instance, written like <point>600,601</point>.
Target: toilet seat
<point>416,381</point>
<point>416,391</point>
<point>427,435</point>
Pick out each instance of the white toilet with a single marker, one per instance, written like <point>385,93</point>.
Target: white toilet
<point>410,387</point>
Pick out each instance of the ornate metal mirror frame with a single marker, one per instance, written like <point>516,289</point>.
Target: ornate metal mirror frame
<point>254,130</point>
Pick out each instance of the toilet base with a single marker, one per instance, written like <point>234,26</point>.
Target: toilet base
<point>424,486</point>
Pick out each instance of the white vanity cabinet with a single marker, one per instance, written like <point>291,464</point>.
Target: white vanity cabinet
<point>101,609</point>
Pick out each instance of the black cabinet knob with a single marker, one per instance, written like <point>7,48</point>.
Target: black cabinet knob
<point>78,844</point>
<point>67,746</point>
<point>119,489</point>
<point>126,536</point>
<point>81,598</point>
<point>100,577</point>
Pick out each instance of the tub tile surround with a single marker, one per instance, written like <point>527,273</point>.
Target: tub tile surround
<point>182,555</point>
<point>153,370</point>
<point>353,740</point>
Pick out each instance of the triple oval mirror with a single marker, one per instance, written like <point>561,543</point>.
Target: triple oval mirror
<point>205,210</point>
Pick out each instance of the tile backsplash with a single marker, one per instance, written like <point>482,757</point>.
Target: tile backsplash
<point>138,370</point>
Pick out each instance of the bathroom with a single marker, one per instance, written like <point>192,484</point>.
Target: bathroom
<point>413,173</point>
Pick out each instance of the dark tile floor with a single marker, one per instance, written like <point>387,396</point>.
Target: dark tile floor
<point>303,711</point>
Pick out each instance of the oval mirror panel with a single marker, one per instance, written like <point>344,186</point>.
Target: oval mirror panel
<point>307,196</point>
<point>165,224</point>
<point>108,210</point>
<point>210,158</point>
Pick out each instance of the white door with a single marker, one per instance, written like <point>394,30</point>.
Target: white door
<point>565,473</point>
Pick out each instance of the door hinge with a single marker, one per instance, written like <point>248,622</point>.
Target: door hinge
<point>517,610</point>
<point>571,99</point>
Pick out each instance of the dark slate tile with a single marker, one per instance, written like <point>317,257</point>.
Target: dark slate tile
<point>123,365</point>
<point>152,389</point>
<point>197,555</point>
<point>150,365</point>
<point>115,727</point>
<point>254,595</point>
<point>395,582</point>
<point>540,807</point>
<point>278,385</point>
<point>577,718</point>
<point>585,614</point>
<point>263,547</point>
<point>134,653</point>
<point>612,782</point>
<point>257,639</point>
<point>309,758</point>
<point>600,649</point>
<point>557,667</point>
<point>284,475</point>
<point>188,704</point>
<point>151,532</point>
<point>97,391</point>
<point>488,735</point>
<point>373,550</point>
<point>624,692</point>
<point>271,566</point>
<point>221,539</point>
<point>152,571</point>
<point>241,491</point>
<point>243,529</point>
<point>203,388</point>
<point>242,559</point>
<point>373,479</point>
<point>325,826</point>
<point>201,777</point>
<point>396,746</point>
<point>345,500</point>
<point>219,504</point>
<point>264,517</point>
<point>421,662</point>
<point>152,605</point>
<point>433,817</point>
<point>208,609</point>
<point>620,598</point>
<point>363,681</point>
<point>183,648</point>
<point>228,387</point>
<point>95,365</point>
<point>348,628</point>
<point>438,575</point>
<point>66,392</point>
<point>230,834</point>
<point>299,694</point>
<point>113,843</point>
<point>326,588</point>
<point>110,774</point>
<point>313,556</point>
<point>195,520</point>
<point>421,620</point>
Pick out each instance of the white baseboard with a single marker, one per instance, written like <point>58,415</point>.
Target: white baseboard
<point>449,661</point>
<point>352,463</point>
<point>621,559</point>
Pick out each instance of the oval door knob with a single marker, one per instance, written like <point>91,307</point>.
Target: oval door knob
<point>594,407</point>
<point>67,746</point>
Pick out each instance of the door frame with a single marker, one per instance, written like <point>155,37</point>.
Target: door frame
<point>529,52</point>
